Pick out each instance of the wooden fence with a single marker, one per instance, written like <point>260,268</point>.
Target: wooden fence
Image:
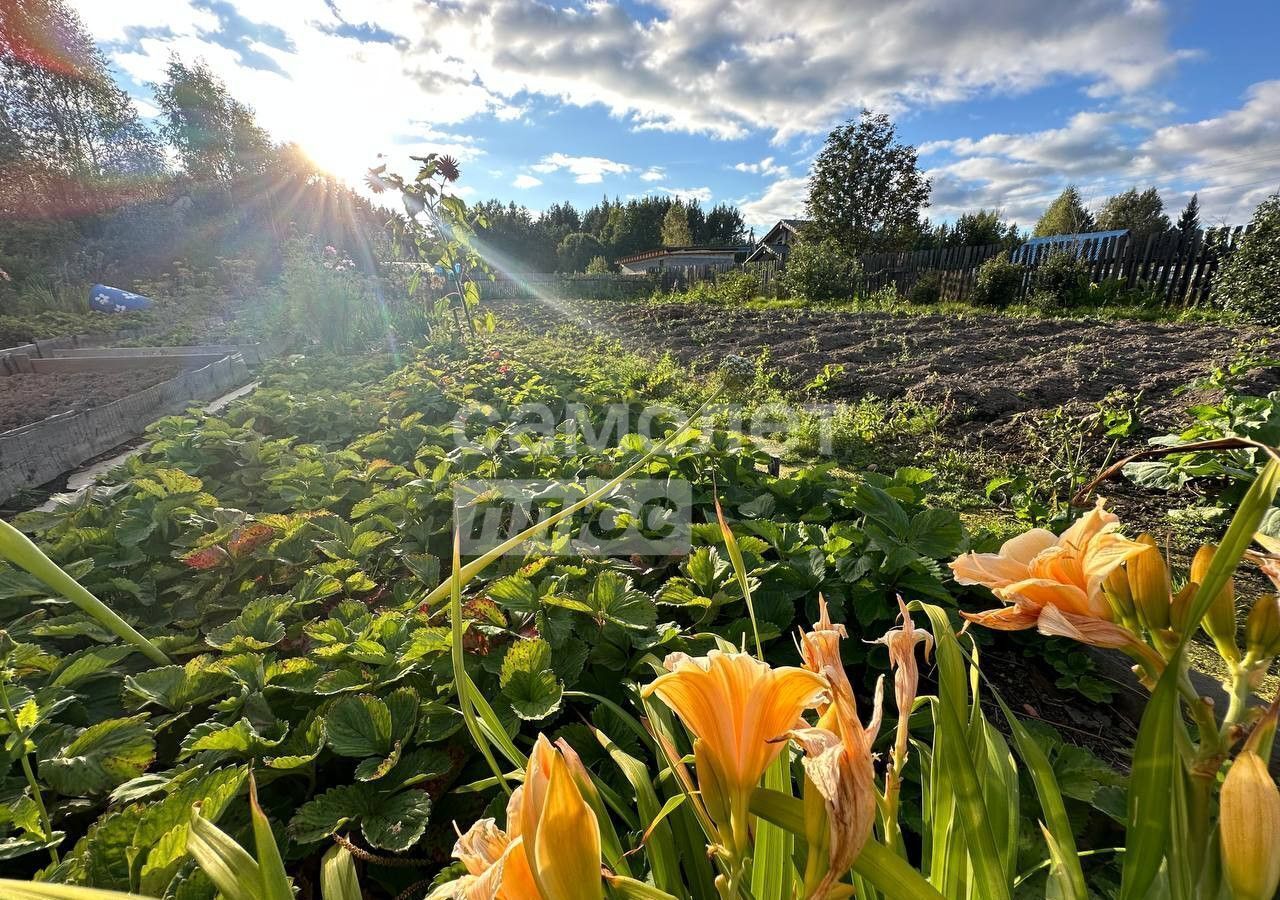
<point>1176,266</point>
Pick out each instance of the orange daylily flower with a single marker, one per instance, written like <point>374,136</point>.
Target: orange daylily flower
<point>1039,570</point>
<point>837,766</point>
<point>550,850</point>
<point>736,707</point>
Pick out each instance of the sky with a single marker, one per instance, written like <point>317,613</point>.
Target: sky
<point>729,100</point>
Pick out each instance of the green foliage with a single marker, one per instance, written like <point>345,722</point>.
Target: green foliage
<point>1249,281</point>
<point>215,135</point>
<point>1140,212</point>
<point>675,227</point>
<point>821,271</point>
<point>1065,215</point>
<point>926,289</point>
<point>598,266</point>
<point>577,251</point>
<point>866,190</point>
<point>998,283</point>
<point>1060,282</point>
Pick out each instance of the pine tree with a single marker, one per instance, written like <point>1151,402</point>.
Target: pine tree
<point>1189,221</point>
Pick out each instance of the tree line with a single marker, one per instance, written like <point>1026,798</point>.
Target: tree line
<point>565,239</point>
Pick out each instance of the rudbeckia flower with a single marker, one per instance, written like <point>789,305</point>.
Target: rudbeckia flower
<point>1039,570</point>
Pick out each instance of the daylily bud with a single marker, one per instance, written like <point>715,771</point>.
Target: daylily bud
<point>1149,585</point>
<point>1220,622</point>
<point>1262,628</point>
<point>1116,588</point>
<point>1249,826</point>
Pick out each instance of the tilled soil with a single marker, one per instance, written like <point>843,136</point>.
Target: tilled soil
<point>25,399</point>
<point>982,370</point>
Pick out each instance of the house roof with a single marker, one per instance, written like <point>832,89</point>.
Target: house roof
<point>763,248</point>
<point>679,251</point>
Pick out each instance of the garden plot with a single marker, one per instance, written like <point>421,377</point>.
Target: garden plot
<point>59,408</point>
<point>983,371</point>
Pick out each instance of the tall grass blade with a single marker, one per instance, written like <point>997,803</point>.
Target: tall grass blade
<point>659,845</point>
<point>229,866</point>
<point>955,769</point>
<point>772,874</point>
<point>275,883</point>
<point>34,890</point>
<point>1155,763</point>
<point>1057,826</point>
<point>462,681</point>
<point>740,572</point>
<point>19,549</point>
<point>338,879</point>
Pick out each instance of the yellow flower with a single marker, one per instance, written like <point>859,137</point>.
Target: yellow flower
<point>560,831</point>
<point>736,707</point>
<point>840,793</point>
<point>1249,826</point>
<point>551,850</point>
<point>1038,570</point>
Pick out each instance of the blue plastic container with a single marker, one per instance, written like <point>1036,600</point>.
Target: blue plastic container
<point>115,300</point>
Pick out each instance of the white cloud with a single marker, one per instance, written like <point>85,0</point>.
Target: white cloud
<point>585,169</point>
<point>1231,160</point>
<point>526,181</point>
<point>107,20</point>
<point>700,194</point>
<point>784,199</point>
<point>729,67</point>
<point>766,166</point>
<point>653,173</point>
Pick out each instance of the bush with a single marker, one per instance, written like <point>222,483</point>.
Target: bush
<point>821,271</point>
<point>927,289</point>
<point>1061,281</point>
<point>598,266</point>
<point>1249,281</point>
<point>999,282</point>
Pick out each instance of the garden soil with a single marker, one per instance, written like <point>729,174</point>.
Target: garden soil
<point>982,370</point>
<point>25,399</point>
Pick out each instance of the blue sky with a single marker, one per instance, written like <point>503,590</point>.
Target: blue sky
<point>1008,100</point>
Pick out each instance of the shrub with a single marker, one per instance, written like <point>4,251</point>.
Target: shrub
<point>999,282</point>
<point>927,289</point>
<point>598,266</point>
<point>1061,281</point>
<point>1249,282</point>
<point>821,271</point>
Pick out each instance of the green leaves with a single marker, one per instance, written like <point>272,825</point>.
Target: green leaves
<point>528,681</point>
<point>612,600</point>
<point>392,822</point>
<point>366,726</point>
<point>101,757</point>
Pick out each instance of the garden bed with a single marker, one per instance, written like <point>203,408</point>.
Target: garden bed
<point>27,398</point>
<point>983,370</point>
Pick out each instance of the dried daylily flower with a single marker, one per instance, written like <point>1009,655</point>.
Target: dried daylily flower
<point>901,644</point>
<point>1037,570</point>
<point>736,706</point>
<point>840,793</point>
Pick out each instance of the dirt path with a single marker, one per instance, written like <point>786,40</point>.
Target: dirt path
<point>982,370</point>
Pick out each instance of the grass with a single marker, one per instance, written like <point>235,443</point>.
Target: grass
<point>891,303</point>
